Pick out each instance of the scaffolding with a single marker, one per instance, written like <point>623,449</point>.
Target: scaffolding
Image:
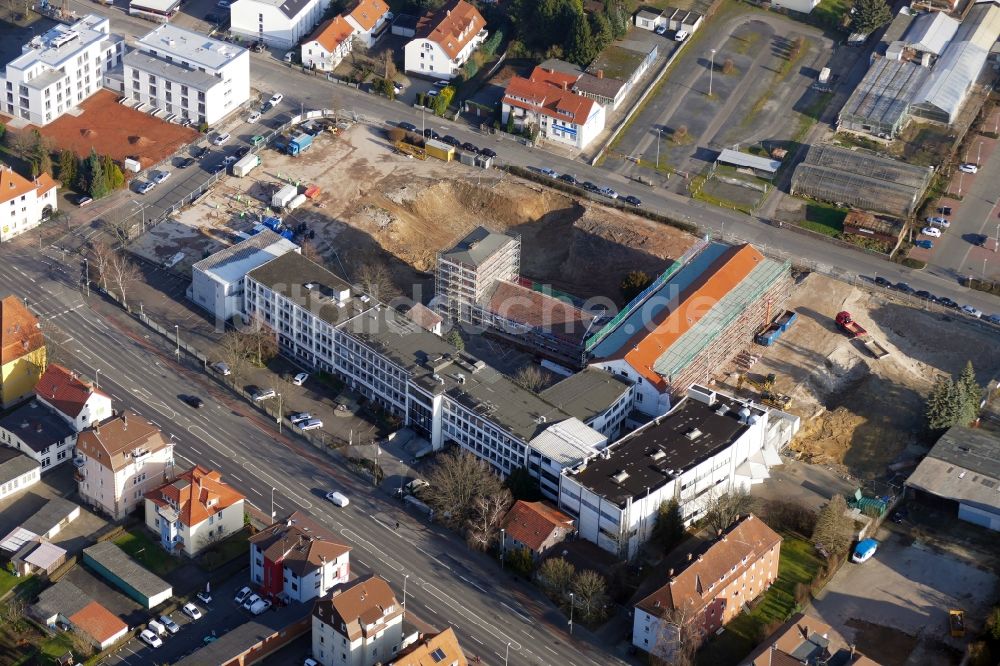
<point>880,104</point>
<point>861,180</point>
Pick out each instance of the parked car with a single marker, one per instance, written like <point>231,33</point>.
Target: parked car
<point>409,127</point>
<point>300,378</point>
<point>882,282</point>
<point>925,295</point>
<point>263,394</point>
<point>250,601</point>
<point>450,140</point>
<point>590,187</point>
<point>633,200</point>
<point>156,628</point>
<point>969,310</point>
<point>185,163</point>
<point>948,303</point>
<point>150,639</point>
<point>242,594</point>
<point>903,287</point>
<point>191,611</point>
<point>944,210</point>
<point>939,221</point>
<point>160,176</point>
<point>488,152</point>
<point>431,134</point>
<point>299,417</point>
<point>470,147</point>
<point>194,401</point>
<point>925,244</point>
<point>864,551</point>
<point>242,151</point>
<point>551,173</point>
<point>994,319</point>
<point>198,152</point>
<point>441,84</point>
<point>275,99</point>
<point>311,424</point>
<point>567,178</point>
<point>205,597</point>
<point>339,499</point>
<point>145,188</point>
<point>608,192</point>
<point>222,138</point>
<point>170,625</point>
<point>222,369</point>
<point>933,232</point>
<point>253,117</point>
<point>680,35</point>
<point>260,606</point>
<point>969,168</point>
<point>661,30</point>
<point>82,200</point>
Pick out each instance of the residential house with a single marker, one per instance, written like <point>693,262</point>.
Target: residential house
<point>441,648</point>
<point>534,526</point>
<point>297,559</point>
<point>24,203</point>
<point>546,102</point>
<point>22,351</point>
<point>425,318</point>
<point>122,459</point>
<point>187,75</point>
<point>326,47</point>
<point>78,402</point>
<point>59,69</point>
<point>65,602</point>
<point>193,511</point>
<point>40,432</point>
<point>709,588</point>
<point>445,40</point>
<point>370,19</point>
<point>359,624</point>
<point>17,472</point>
<point>278,23</point>
<point>804,639</point>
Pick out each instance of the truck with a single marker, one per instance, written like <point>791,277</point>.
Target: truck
<point>847,324</point>
<point>299,144</point>
<point>246,164</point>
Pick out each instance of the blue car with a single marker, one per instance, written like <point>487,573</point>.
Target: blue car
<point>926,244</point>
<point>864,551</point>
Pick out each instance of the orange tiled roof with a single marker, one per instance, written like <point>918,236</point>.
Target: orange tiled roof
<point>553,77</point>
<point>64,390</point>
<point>20,333</point>
<point>97,621</point>
<point>333,33</point>
<point>197,494</point>
<point>646,347</point>
<point>452,27</point>
<point>422,653</point>
<point>532,523</point>
<point>544,93</point>
<point>538,310</point>
<point>44,183</point>
<point>13,184</point>
<point>112,442</point>
<point>697,584</point>
<point>368,12</point>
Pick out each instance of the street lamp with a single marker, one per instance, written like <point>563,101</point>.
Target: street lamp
<point>86,276</point>
<point>272,502</point>
<point>711,71</point>
<point>659,139</point>
<point>405,578</point>
<point>996,240</point>
<point>401,481</point>
<point>572,603</point>
<point>503,544</point>
<point>506,654</point>
<point>177,340</point>
<point>277,415</point>
<point>97,378</point>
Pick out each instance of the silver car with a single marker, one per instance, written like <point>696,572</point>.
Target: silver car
<point>311,424</point>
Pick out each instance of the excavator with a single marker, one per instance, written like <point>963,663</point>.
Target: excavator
<point>766,388</point>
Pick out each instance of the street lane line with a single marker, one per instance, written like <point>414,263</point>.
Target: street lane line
<point>256,491</point>
<point>550,649</point>
<point>233,476</point>
<point>217,465</point>
<point>473,637</point>
<point>195,450</point>
<point>516,612</point>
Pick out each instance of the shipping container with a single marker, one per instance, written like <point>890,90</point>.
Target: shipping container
<point>439,149</point>
<point>245,165</point>
<point>283,196</point>
<point>296,202</point>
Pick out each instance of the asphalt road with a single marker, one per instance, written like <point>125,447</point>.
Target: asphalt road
<point>446,583</point>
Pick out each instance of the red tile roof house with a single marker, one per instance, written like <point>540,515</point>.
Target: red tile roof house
<point>325,48</point>
<point>297,559</point>
<point>370,19</point>
<point>79,403</point>
<point>193,511</point>
<point>445,40</point>
<point>536,526</point>
<point>711,588</point>
<point>546,101</point>
<point>100,625</point>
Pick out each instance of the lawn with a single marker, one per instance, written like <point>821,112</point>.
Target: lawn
<point>141,546</point>
<point>824,219</point>
<point>55,646</point>
<point>226,551</point>
<point>831,13</point>
<point>798,564</point>
<point>7,581</point>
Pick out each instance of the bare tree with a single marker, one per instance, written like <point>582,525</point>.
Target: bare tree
<point>120,226</point>
<point>590,595</point>
<point>121,274</point>
<point>677,640</point>
<point>722,510</point>
<point>310,252</point>
<point>233,350</point>
<point>834,530</point>
<point>389,64</point>
<point>530,377</point>
<point>99,260</point>
<point>22,142</point>
<point>82,647</point>
<point>260,342</point>
<point>375,280</point>
<point>457,479</point>
<point>13,610</point>
<point>488,513</point>
<point>556,575</point>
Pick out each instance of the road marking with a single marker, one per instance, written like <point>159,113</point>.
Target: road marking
<point>516,612</point>
<point>195,450</point>
<point>363,564</point>
<point>550,649</point>
<point>233,476</point>
<point>499,656</point>
<point>116,397</point>
<point>278,506</point>
<point>372,548</point>
<point>217,465</point>
<point>475,585</point>
<point>473,637</point>
<point>256,491</point>
<point>430,609</point>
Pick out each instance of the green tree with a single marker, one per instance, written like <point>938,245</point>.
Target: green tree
<point>97,187</point>
<point>113,177</point>
<point>454,338</point>
<point>870,15</point>
<point>510,122</point>
<point>942,405</point>
<point>617,17</point>
<point>600,30</point>
<point>67,167</point>
<point>970,395</point>
<point>556,576</point>
<point>633,283</point>
<point>834,529</point>
<point>668,531</point>
<point>580,48</point>
<point>521,561</point>
<point>443,100</point>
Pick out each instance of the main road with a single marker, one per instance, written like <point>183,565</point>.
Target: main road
<point>445,582</point>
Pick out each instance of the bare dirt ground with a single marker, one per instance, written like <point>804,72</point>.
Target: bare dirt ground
<point>375,204</point>
<point>116,130</point>
<point>860,414</point>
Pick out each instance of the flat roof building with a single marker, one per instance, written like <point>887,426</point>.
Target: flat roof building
<point>115,566</point>
<point>249,642</point>
<point>17,472</point>
<point>600,399</point>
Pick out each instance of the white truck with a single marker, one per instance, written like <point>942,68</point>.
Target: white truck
<point>284,196</point>
<point>246,164</point>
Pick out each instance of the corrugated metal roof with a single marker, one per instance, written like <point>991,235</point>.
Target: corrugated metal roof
<point>568,442</point>
<point>931,32</point>
<point>739,159</point>
<point>952,77</point>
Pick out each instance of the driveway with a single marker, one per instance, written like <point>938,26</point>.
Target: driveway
<point>897,603</point>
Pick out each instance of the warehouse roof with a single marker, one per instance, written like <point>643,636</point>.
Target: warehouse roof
<point>569,442</point>
<point>954,74</point>
<point>587,393</point>
<point>14,464</point>
<point>53,512</point>
<point>130,572</point>
<point>246,636</point>
<point>62,597</point>
<point>232,263</point>
<point>964,465</point>
<point>886,91</point>
<point>931,32</point>
<point>739,159</point>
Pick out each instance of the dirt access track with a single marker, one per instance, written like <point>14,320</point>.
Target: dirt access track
<point>860,414</point>
<point>116,130</point>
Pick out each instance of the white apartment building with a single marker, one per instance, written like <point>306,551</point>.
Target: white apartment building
<point>120,460</point>
<point>707,445</point>
<point>188,75</point>
<point>359,624</point>
<point>330,44</point>
<point>297,560</point>
<point>40,433</point>
<point>193,511</point>
<point>217,280</point>
<point>79,403</point>
<point>545,101</point>
<point>370,19</point>
<point>278,23</point>
<point>444,40</point>
<point>24,203</point>
<point>59,69</point>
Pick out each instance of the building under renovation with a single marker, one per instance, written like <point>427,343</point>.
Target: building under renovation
<point>861,179</point>
<point>696,317</point>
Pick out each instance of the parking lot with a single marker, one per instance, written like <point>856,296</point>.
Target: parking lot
<point>895,606</point>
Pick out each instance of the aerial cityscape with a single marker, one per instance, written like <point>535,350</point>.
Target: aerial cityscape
<point>505,332</point>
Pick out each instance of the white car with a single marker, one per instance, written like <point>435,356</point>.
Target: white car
<point>299,417</point>
<point>969,310</point>
<point>263,395</point>
<point>205,597</point>
<point>222,138</point>
<point>275,99</point>
<point>170,625</point>
<point>254,117</point>
<point>242,595</point>
<point>300,378</point>
<point>311,424</point>
<point>145,187</point>
<point>160,176</point>
<point>191,611</point>
<point>340,499</point>
<point>939,222</point>
<point>551,173</point>
<point>250,601</point>
<point>150,638</point>
<point>222,369</point>
<point>260,606</point>
<point>680,35</point>
<point>969,168</point>
<point>933,232</point>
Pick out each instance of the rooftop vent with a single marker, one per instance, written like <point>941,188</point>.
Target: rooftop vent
<point>620,477</point>
<point>309,285</point>
<point>693,434</point>
<point>541,419</point>
<point>722,410</point>
<point>460,377</point>
<point>658,454</point>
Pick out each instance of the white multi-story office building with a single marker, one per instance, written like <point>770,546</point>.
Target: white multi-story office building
<point>709,444</point>
<point>444,40</point>
<point>188,75</point>
<point>59,69</point>
<point>279,23</point>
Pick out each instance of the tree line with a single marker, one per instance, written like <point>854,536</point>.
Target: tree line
<point>561,28</point>
<point>95,175</point>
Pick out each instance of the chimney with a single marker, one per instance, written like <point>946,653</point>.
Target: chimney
<point>600,73</point>
<point>670,572</point>
<point>565,85</point>
<point>804,629</point>
<point>124,421</point>
<point>690,556</point>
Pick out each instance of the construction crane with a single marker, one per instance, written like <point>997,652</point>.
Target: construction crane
<point>766,388</point>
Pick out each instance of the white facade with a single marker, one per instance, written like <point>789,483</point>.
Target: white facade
<point>279,23</point>
<point>804,6</point>
<point>445,40</point>
<point>314,583</point>
<point>24,203</point>
<point>556,129</point>
<point>28,475</point>
<point>218,526</point>
<point>119,493</point>
<point>370,19</point>
<point>59,69</point>
<point>188,75</point>
<point>648,399</point>
<point>326,48</point>
<point>427,58</point>
<point>96,409</point>
<point>331,647</point>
